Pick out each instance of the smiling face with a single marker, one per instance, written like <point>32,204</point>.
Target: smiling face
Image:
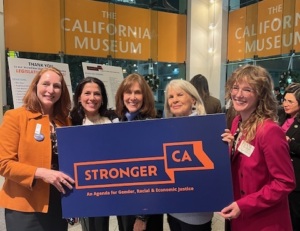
<point>290,104</point>
<point>49,90</point>
<point>180,102</point>
<point>244,99</point>
<point>133,98</point>
<point>91,99</point>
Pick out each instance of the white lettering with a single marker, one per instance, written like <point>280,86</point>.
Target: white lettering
<point>107,45</point>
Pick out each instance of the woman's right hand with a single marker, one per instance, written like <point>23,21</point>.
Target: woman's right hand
<point>232,211</point>
<point>56,178</point>
<point>228,137</point>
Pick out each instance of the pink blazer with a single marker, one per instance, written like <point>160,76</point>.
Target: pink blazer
<point>20,155</point>
<point>262,181</point>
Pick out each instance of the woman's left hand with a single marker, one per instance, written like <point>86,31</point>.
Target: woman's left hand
<point>139,225</point>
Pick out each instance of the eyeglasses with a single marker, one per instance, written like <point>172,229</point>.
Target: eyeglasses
<point>245,91</point>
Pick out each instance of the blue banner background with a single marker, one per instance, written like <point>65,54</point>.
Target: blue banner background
<point>212,189</point>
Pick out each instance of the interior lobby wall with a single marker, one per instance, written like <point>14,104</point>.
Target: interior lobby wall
<point>207,43</point>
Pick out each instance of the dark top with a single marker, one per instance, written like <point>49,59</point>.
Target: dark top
<point>294,133</point>
<point>212,105</point>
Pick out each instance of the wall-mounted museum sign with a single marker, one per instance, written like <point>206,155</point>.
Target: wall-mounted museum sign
<point>268,28</point>
<point>92,28</point>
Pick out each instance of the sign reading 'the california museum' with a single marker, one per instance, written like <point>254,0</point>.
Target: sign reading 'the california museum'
<point>268,28</point>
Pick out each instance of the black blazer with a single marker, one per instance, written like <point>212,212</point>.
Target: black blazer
<point>212,105</point>
<point>294,133</point>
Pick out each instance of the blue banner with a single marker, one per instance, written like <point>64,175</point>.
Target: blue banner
<point>146,167</point>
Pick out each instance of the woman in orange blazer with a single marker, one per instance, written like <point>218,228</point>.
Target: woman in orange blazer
<point>31,194</point>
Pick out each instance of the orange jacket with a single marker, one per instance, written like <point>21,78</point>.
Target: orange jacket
<point>20,155</point>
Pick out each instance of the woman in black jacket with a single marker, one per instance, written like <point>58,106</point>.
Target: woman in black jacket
<point>289,119</point>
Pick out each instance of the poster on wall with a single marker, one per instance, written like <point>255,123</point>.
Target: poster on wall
<point>22,72</point>
<point>146,167</point>
<point>111,76</point>
<point>267,28</point>
<point>101,29</point>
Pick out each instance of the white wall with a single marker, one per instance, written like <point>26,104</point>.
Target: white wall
<point>201,13</point>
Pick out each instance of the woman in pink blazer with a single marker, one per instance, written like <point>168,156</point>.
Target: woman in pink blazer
<point>262,171</point>
<point>31,194</point>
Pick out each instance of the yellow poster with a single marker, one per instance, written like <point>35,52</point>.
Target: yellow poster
<point>271,28</point>
<point>86,28</point>
<point>296,37</point>
<point>32,26</point>
<point>95,29</point>
<point>249,32</point>
<point>236,38</point>
<point>171,37</point>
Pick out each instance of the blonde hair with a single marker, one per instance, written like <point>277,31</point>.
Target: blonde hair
<point>261,82</point>
<point>188,88</point>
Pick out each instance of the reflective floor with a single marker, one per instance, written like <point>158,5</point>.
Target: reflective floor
<point>217,224</point>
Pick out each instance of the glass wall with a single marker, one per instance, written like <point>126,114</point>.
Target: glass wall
<point>284,69</point>
<point>236,4</point>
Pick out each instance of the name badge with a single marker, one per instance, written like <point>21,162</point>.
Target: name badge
<point>246,148</point>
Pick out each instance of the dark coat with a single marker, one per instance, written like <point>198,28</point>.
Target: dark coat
<point>212,105</point>
<point>294,133</point>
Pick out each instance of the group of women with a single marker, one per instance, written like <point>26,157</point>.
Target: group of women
<point>262,170</point>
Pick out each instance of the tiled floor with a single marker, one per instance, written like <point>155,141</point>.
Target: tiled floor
<point>217,224</point>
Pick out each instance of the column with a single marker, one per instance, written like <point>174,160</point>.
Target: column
<point>207,43</point>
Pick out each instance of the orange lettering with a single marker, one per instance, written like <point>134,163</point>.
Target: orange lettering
<point>174,156</point>
<point>186,156</point>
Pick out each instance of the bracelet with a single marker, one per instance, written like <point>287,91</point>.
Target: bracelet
<point>142,218</point>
